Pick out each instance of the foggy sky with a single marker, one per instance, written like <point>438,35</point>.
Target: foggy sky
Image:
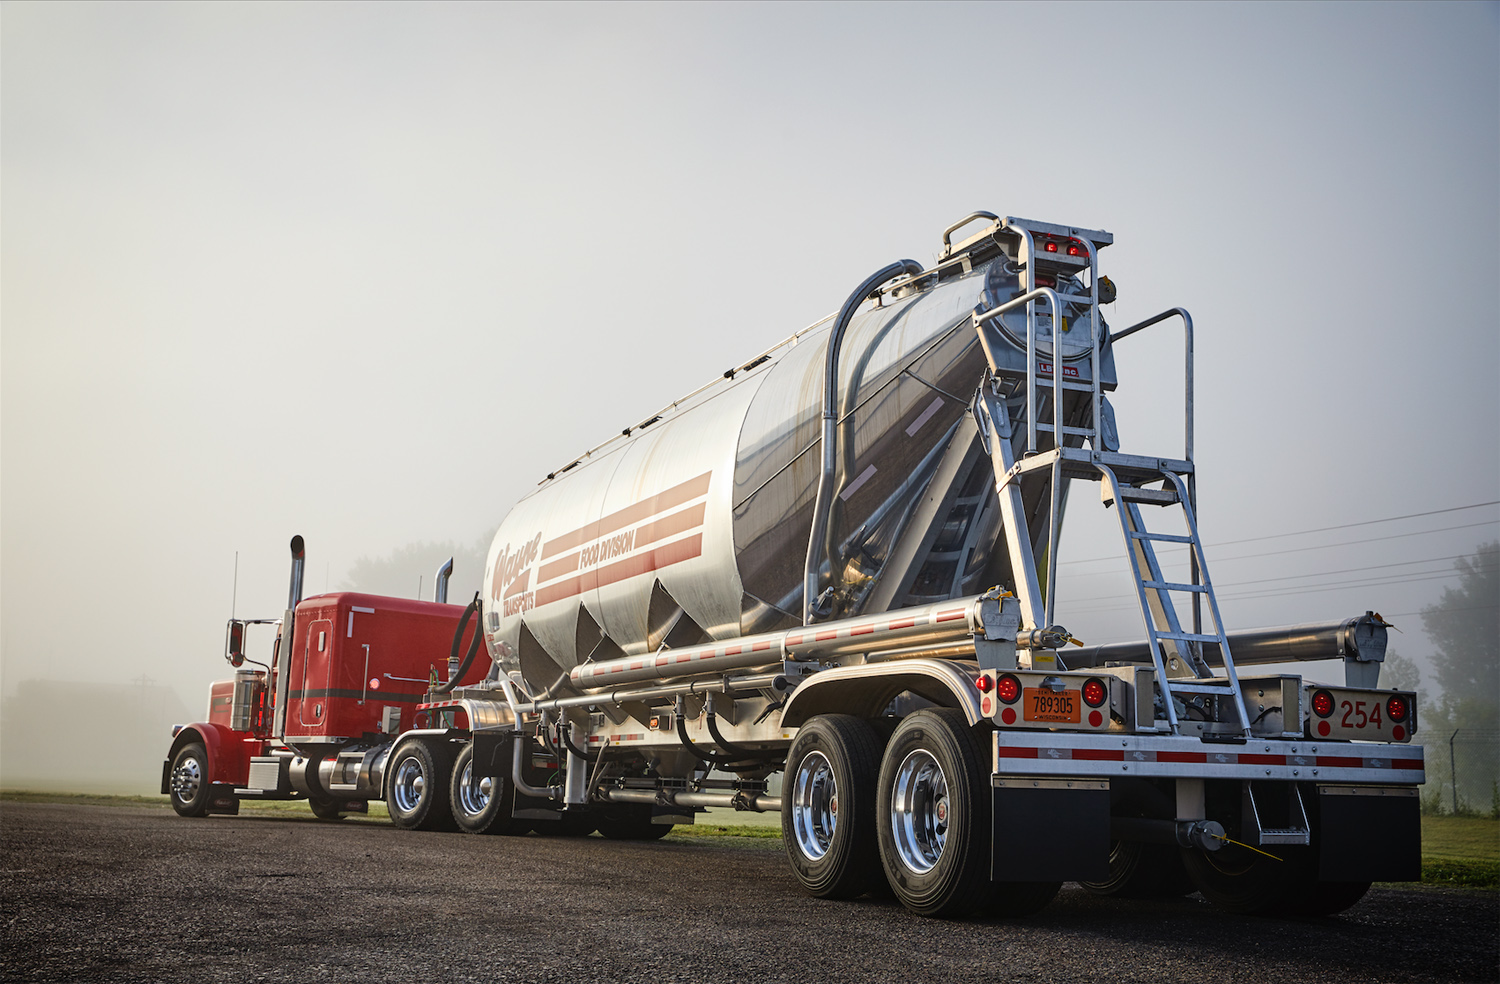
<point>368,272</point>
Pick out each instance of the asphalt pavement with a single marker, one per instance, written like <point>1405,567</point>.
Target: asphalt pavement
<point>129,893</point>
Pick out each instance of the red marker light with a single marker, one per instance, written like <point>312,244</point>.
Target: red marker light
<point>1095,693</point>
<point>1396,708</point>
<point>984,684</point>
<point>1051,246</point>
<point>1322,703</point>
<point>1008,689</point>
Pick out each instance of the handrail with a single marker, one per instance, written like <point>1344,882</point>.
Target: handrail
<point>1050,295</point>
<point>1187,427</point>
<point>947,244</point>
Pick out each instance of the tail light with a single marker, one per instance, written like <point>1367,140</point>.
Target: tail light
<point>1095,692</point>
<point>1051,246</point>
<point>1008,689</point>
<point>1396,708</point>
<point>984,684</point>
<point>1322,703</point>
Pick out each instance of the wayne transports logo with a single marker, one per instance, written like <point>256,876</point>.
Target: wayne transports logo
<point>616,547</point>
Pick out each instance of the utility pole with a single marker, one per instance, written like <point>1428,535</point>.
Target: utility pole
<point>1453,769</point>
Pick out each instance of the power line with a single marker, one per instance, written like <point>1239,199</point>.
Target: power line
<point>1277,553</point>
<point>1367,522</point>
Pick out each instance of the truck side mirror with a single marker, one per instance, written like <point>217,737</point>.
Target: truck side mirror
<point>234,649</point>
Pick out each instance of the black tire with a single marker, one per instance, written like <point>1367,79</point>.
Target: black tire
<point>1021,898</point>
<point>1246,882</point>
<point>482,805</point>
<point>1330,898</point>
<point>326,809</point>
<point>933,812</point>
<point>630,821</point>
<point>191,782</point>
<point>416,792</point>
<point>1143,871</point>
<point>828,807</point>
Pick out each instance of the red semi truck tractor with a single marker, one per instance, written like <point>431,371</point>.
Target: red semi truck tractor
<point>346,674</point>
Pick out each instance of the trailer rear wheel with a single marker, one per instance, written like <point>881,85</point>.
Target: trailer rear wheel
<point>326,809</point>
<point>482,804</point>
<point>190,781</point>
<point>1143,871</point>
<point>934,815</point>
<point>1246,882</point>
<point>417,791</point>
<point>828,815</point>
<point>1330,898</point>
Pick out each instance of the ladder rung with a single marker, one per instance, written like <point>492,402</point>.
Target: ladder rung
<point>1188,637</point>
<point>1174,586</point>
<point>1164,537</point>
<point>1155,497</point>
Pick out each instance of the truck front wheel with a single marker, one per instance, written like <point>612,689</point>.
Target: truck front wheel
<point>190,781</point>
<point>417,791</point>
<point>934,815</point>
<point>828,806</point>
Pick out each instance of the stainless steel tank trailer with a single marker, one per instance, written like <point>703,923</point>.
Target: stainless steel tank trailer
<point>836,562</point>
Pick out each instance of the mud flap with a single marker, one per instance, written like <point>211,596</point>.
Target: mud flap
<point>1050,829</point>
<point>1369,833</point>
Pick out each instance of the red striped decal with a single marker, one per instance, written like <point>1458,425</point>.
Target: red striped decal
<point>902,623</point>
<point>825,636</point>
<point>861,630</point>
<point>556,568</point>
<point>1340,762</point>
<point>663,660</point>
<point>652,560</point>
<point>1005,751</point>
<point>1099,754</point>
<point>519,584</point>
<point>950,616</point>
<point>734,650</point>
<point>759,646</point>
<point>685,658</point>
<point>675,496</point>
<point>1197,757</point>
<point>1247,759</point>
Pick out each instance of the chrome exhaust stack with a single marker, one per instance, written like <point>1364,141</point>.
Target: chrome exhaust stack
<point>284,639</point>
<point>299,561</point>
<point>440,589</point>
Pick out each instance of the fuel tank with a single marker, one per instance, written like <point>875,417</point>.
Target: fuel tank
<point>695,525</point>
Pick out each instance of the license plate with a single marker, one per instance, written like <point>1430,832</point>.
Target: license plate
<point>1051,706</point>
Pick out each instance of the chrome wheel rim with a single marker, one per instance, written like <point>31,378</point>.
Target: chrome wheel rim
<point>919,811</point>
<point>409,785</point>
<point>186,779</point>
<point>815,806</point>
<point>473,797</point>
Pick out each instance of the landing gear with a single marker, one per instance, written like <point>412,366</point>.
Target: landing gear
<point>934,815</point>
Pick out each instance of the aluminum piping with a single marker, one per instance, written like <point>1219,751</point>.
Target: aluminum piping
<point>943,622</point>
<point>1360,638</point>
<point>819,532</point>
<point>756,802</point>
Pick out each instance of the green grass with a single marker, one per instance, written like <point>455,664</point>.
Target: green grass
<point>726,830</point>
<point>1461,837</point>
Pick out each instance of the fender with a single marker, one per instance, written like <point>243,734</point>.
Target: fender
<point>228,756</point>
<point>864,691</point>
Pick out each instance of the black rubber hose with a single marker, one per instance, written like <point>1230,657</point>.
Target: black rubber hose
<point>728,746</point>
<point>458,640</point>
<point>694,750</point>
<point>568,742</point>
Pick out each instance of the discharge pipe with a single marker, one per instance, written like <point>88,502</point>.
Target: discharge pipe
<point>818,544</point>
